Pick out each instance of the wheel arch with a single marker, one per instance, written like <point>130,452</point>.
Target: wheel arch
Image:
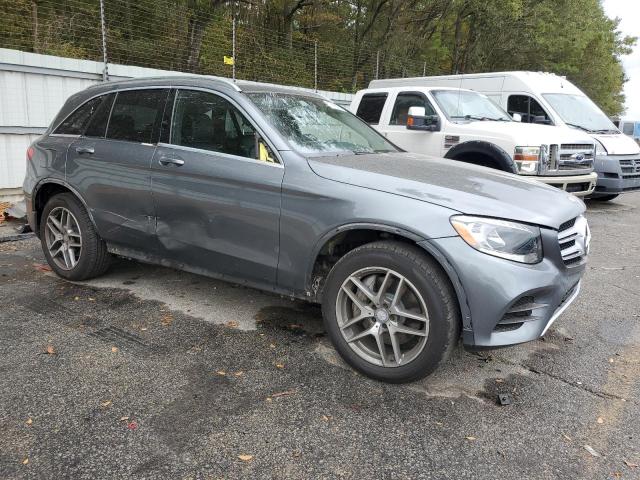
<point>465,151</point>
<point>47,188</point>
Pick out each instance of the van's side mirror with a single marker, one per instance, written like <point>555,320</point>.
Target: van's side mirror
<point>516,117</point>
<point>418,120</point>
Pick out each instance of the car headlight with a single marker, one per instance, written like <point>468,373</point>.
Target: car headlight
<point>600,150</point>
<point>500,238</point>
<point>527,160</point>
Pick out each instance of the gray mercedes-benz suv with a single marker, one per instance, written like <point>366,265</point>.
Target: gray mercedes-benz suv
<point>285,191</point>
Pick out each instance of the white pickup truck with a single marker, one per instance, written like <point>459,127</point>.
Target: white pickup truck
<point>466,126</point>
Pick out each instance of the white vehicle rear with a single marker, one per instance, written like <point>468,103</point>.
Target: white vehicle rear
<point>466,126</point>
<point>549,99</point>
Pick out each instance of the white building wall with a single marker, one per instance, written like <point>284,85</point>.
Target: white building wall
<point>33,87</point>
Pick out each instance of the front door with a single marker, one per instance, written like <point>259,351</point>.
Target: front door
<point>418,141</point>
<point>110,164</point>
<point>217,204</point>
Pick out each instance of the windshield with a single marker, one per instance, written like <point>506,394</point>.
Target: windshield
<point>466,105</point>
<point>315,126</point>
<point>579,111</point>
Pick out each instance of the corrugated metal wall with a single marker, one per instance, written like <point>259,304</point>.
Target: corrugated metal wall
<point>33,87</point>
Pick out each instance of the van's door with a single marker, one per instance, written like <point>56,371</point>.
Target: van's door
<point>394,124</point>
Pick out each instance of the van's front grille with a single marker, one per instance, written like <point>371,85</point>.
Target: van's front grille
<point>630,167</point>
<point>575,156</point>
<point>570,158</point>
<point>573,240</point>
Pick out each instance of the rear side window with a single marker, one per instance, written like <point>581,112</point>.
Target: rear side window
<point>75,123</point>
<point>136,115</point>
<point>370,107</point>
<point>209,122</point>
<point>404,101</point>
<point>98,124</point>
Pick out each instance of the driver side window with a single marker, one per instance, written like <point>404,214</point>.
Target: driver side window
<point>404,101</point>
<point>209,122</point>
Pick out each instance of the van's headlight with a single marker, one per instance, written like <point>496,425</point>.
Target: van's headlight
<point>527,160</point>
<point>600,150</point>
<point>501,238</point>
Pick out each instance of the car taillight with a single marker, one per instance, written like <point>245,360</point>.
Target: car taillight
<point>30,152</point>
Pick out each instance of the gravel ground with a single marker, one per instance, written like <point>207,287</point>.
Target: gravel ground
<point>152,373</point>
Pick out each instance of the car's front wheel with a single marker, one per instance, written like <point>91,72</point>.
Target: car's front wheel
<point>390,311</point>
<point>71,245</point>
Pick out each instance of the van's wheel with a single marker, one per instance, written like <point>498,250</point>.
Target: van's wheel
<point>71,245</point>
<point>605,198</point>
<point>390,311</point>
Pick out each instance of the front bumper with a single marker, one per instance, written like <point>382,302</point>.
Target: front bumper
<point>617,174</point>
<point>492,288</point>
<point>579,185</point>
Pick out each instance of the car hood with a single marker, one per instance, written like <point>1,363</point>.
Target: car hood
<point>468,189</point>
<point>618,144</point>
<point>525,134</point>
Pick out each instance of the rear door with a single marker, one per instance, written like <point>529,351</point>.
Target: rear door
<point>216,189</point>
<point>110,165</point>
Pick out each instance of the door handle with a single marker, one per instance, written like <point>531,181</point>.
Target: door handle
<point>163,160</point>
<point>82,150</point>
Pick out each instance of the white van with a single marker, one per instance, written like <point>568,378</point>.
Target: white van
<point>549,99</point>
<point>465,125</point>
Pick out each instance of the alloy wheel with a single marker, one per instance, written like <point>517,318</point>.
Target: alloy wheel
<point>382,316</point>
<point>63,238</point>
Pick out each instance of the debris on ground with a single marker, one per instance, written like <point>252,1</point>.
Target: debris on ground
<point>245,458</point>
<point>505,399</point>
<point>590,449</point>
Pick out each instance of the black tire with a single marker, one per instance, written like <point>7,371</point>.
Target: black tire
<point>94,258</point>
<point>605,198</point>
<point>432,283</point>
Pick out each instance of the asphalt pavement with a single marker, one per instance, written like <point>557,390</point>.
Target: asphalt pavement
<point>152,373</point>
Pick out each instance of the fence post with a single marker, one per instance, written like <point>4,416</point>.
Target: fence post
<point>315,65</point>
<point>105,59</point>
<point>233,48</point>
<point>377,63</point>
<point>424,69</point>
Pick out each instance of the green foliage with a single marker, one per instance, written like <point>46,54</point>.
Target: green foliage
<point>276,39</point>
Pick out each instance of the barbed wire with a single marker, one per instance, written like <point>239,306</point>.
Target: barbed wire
<point>166,35</point>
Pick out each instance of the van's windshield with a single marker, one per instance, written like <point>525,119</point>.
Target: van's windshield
<point>580,112</point>
<point>464,105</point>
<point>315,126</point>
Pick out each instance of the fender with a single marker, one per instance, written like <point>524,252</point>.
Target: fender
<point>45,181</point>
<point>352,226</point>
<point>502,158</point>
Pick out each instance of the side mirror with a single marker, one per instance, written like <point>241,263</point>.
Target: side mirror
<point>516,117</point>
<point>418,120</point>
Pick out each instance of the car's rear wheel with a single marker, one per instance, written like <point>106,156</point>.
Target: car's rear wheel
<point>390,311</point>
<point>71,245</point>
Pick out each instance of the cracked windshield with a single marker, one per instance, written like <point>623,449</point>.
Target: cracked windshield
<point>318,127</point>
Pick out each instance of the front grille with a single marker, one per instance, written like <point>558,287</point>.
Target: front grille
<point>567,224</point>
<point>630,167</point>
<point>573,241</point>
<point>575,156</point>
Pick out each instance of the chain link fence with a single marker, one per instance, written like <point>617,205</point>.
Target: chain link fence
<point>170,35</point>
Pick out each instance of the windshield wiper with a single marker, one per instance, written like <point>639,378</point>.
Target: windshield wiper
<point>605,130</point>
<point>482,119</point>
<point>579,126</point>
